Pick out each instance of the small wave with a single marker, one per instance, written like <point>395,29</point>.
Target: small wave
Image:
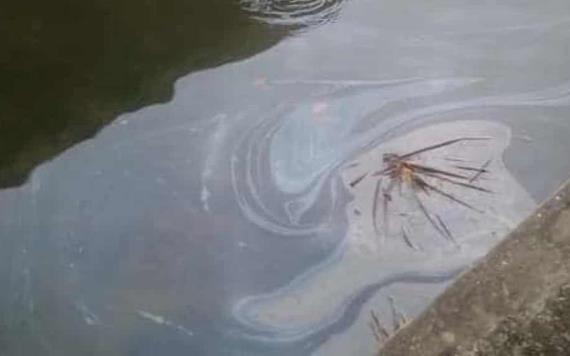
<point>292,12</point>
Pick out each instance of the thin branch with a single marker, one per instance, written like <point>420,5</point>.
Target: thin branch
<point>475,169</point>
<point>445,194</point>
<point>447,232</point>
<point>407,239</point>
<point>398,318</point>
<point>453,159</point>
<point>379,331</point>
<point>387,194</point>
<point>384,171</point>
<point>358,180</point>
<point>424,210</point>
<point>442,144</point>
<point>375,333</point>
<point>480,171</point>
<point>451,181</point>
<point>427,169</point>
<point>375,205</point>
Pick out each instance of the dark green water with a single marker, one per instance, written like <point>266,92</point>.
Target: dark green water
<point>69,67</point>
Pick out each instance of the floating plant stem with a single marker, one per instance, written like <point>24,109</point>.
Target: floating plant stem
<point>481,170</point>
<point>445,194</point>
<point>426,169</point>
<point>375,205</point>
<point>357,180</point>
<point>467,168</point>
<point>400,170</point>
<point>445,228</point>
<point>424,210</point>
<point>442,144</point>
<point>378,330</point>
<point>407,239</point>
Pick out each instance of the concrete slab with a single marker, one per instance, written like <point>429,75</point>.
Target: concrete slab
<point>516,301</point>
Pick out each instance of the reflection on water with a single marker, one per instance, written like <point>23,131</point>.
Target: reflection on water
<point>221,222</point>
<point>68,69</point>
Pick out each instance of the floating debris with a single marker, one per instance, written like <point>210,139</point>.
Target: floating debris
<point>378,330</point>
<point>480,171</point>
<point>380,333</point>
<point>403,170</point>
<point>329,295</point>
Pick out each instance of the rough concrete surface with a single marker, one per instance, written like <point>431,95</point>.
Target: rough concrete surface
<point>516,301</point>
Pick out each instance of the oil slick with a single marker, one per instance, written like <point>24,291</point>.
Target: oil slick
<point>213,157</point>
<point>320,297</point>
<point>282,166</point>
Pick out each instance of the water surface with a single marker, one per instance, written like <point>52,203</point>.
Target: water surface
<point>221,222</point>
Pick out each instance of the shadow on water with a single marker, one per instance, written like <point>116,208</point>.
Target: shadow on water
<point>70,67</point>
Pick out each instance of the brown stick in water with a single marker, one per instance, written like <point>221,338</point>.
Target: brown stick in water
<point>358,180</point>
<point>451,181</point>
<point>375,205</point>
<point>423,183</point>
<point>485,165</point>
<point>442,144</point>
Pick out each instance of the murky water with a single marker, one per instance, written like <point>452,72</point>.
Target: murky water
<point>223,221</point>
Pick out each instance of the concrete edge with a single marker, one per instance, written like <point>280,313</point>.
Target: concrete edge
<point>514,283</point>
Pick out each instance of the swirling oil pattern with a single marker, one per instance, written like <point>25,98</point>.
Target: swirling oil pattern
<point>293,12</point>
<point>225,222</point>
<point>320,296</point>
<point>296,154</point>
<point>298,149</point>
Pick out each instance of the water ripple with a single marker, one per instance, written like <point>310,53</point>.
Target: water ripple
<point>293,12</point>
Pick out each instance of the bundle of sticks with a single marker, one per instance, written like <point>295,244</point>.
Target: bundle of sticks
<point>402,169</point>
